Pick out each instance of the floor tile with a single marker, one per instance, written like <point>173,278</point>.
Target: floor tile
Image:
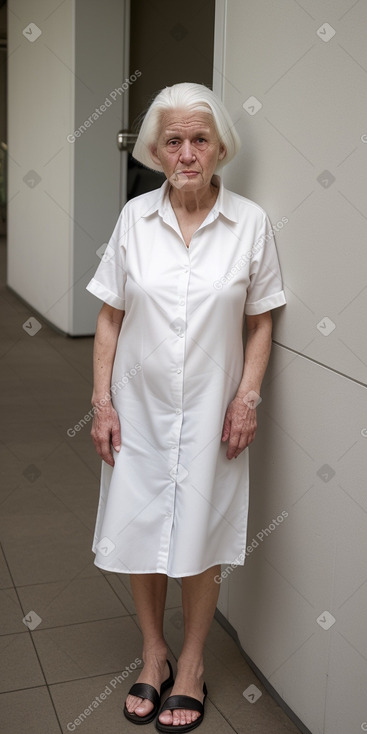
<point>5,578</point>
<point>64,466</point>
<point>227,684</point>
<point>89,649</point>
<point>72,698</point>
<point>21,712</point>
<point>39,502</point>
<point>72,602</point>
<point>31,443</point>
<point>106,713</point>
<point>57,550</point>
<point>19,665</point>
<point>81,499</point>
<point>78,352</point>
<point>224,648</point>
<point>11,613</point>
<point>114,580</point>
<point>261,716</point>
<point>10,471</point>
<point>32,499</point>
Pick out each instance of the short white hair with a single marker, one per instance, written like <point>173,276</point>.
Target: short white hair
<point>188,96</point>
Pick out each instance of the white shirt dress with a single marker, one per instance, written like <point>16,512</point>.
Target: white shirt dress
<point>173,503</point>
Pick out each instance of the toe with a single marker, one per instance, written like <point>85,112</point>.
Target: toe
<point>144,707</point>
<point>166,717</point>
<point>192,716</point>
<point>179,717</point>
<point>176,717</point>
<point>139,706</point>
<point>130,703</point>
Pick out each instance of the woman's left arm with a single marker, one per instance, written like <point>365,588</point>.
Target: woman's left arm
<point>239,427</point>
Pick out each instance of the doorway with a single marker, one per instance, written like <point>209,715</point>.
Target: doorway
<point>169,42</point>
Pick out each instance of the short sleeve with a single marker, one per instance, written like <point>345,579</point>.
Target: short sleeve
<point>265,290</point>
<point>108,282</point>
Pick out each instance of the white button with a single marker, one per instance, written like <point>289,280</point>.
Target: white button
<point>179,372</point>
<point>181,335</point>
<point>178,411</point>
<point>182,302</point>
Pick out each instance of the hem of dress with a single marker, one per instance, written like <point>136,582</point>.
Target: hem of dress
<point>231,563</point>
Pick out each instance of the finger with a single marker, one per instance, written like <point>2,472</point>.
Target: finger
<point>106,452</point>
<point>116,436</point>
<point>226,429</point>
<point>97,445</point>
<point>116,433</point>
<point>108,460</point>
<point>238,445</point>
<point>232,445</point>
<point>245,440</point>
<point>102,444</point>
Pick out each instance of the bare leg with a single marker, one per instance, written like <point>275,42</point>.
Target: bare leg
<point>149,592</point>
<point>199,600</point>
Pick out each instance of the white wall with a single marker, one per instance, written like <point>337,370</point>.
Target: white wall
<point>55,83</point>
<point>312,119</point>
<point>99,51</point>
<point>40,115</point>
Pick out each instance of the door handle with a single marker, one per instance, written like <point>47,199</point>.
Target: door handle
<point>126,140</point>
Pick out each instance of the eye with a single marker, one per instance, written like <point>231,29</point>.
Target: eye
<point>173,142</point>
<point>200,140</point>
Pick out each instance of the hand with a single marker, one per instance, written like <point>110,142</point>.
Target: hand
<point>106,432</point>
<point>239,426</point>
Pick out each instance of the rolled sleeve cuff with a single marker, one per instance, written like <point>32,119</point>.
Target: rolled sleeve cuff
<point>105,295</point>
<point>265,304</point>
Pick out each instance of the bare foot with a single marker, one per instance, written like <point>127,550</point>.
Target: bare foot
<point>186,684</point>
<point>155,674</point>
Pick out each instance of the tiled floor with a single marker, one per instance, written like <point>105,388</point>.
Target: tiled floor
<point>82,630</point>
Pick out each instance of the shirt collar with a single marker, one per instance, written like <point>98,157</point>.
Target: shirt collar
<point>159,201</point>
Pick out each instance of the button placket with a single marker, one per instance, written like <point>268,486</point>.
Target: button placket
<point>178,326</point>
<point>177,472</point>
<point>180,330</point>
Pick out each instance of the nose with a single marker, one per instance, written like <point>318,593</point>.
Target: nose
<point>186,152</point>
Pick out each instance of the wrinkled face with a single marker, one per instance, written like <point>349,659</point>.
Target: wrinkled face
<point>188,148</point>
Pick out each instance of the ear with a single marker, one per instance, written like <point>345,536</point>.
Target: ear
<point>222,152</point>
<point>153,154</point>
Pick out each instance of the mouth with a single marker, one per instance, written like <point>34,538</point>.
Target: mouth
<point>189,173</point>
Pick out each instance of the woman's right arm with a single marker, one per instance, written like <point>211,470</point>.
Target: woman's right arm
<point>106,425</point>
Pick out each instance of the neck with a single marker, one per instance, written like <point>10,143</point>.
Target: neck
<point>193,200</point>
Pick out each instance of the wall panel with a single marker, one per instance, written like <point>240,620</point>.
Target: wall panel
<point>304,157</point>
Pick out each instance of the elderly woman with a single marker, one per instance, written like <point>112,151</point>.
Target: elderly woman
<point>187,266</point>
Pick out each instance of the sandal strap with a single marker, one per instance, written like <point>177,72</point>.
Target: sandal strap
<point>145,690</point>
<point>182,702</point>
<point>170,680</point>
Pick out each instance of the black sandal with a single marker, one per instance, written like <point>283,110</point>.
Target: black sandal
<point>182,702</point>
<point>145,690</point>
